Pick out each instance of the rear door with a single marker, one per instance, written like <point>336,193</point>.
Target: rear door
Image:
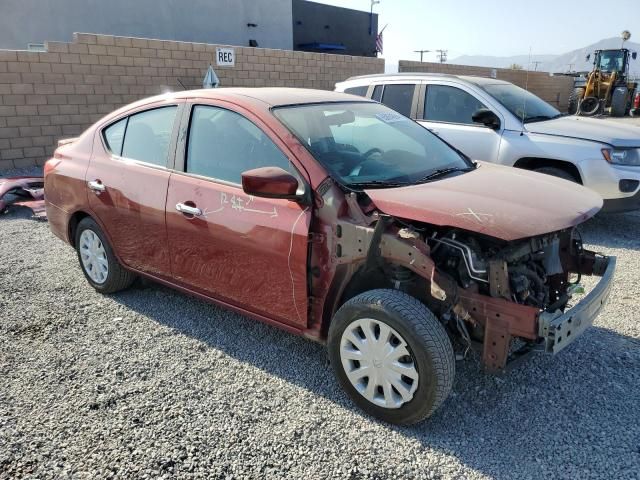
<point>246,251</point>
<point>446,109</point>
<point>127,181</point>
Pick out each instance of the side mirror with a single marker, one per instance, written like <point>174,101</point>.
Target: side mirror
<point>270,182</point>
<point>588,57</point>
<point>634,55</point>
<point>486,117</point>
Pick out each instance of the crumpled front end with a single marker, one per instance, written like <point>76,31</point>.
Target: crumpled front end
<point>517,295</point>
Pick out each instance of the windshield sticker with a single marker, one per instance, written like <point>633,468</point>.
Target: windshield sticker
<point>390,117</point>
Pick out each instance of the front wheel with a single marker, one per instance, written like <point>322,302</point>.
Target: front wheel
<point>391,355</point>
<point>97,260</point>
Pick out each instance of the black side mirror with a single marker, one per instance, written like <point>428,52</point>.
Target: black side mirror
<point>587,57</point>
<point>486,117</point>
<point>634,55</point>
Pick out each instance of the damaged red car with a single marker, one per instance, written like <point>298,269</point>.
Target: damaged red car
<point>335,218</point>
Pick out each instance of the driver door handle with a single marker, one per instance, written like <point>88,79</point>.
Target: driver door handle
<point>97,186</point>
<point>189,210</point>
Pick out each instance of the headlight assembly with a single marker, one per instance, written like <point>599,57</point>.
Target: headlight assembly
<point>622,156</point>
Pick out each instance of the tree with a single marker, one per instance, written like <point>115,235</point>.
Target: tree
<point>515,66</point>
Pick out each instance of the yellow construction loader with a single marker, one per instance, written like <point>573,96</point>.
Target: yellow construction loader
<point>606,89</point>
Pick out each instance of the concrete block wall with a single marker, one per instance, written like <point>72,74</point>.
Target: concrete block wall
<point>554,90</point>
<point>59,93</point>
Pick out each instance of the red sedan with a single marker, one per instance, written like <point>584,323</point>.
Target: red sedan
<point>333,217</point>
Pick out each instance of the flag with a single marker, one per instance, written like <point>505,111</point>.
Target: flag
<point>379,43</point>
<point>210,79</point>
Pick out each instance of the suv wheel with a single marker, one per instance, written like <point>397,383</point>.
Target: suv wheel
<point>391,355</point>
<point>557,172</point>
<point>97,260</point>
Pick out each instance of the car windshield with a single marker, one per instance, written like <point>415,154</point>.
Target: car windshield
<point>369,145</point>
<point>523,104</point>
<point>611,60</point>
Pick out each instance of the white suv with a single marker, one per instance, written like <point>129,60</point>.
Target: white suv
<point>496,121</point>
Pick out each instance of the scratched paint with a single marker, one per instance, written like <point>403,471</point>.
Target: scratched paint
<point>240,204</point>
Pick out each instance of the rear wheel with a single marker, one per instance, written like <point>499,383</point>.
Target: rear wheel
<point>97,260</point>
<point>574,99</point>
<point>557,172</point>
<point>391,355</point>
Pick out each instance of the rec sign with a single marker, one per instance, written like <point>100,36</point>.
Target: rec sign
<point>225,57</point>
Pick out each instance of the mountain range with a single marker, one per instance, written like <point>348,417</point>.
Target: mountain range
<point>574,59</point>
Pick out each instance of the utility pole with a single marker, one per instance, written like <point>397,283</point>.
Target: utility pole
<point>571,67</point>
<point>442,54</point>
<point>421,52</point>
<point>373,2</point>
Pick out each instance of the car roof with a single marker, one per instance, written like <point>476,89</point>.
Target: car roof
<point>271,96</point>
<point>477,80</point>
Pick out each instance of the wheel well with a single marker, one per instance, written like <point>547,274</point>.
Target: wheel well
<point>529,163</point>
<point>73,225</point>
<point>381,277</point>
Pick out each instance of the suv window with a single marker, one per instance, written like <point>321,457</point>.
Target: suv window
<point>450,104</point>
<point>377,93</point>
<point>399,97</point>
<point>360,91</point>
<point>222,144</point>
<point>147,135</point>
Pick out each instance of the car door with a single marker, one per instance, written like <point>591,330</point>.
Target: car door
<point>127,181</point>
<point>446,110</point>
<point>245,251</point>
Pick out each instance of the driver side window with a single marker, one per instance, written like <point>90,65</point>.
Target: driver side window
<point>443,103</point>
<point>222,144</point>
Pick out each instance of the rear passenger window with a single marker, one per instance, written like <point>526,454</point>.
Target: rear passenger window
<point>360,91</point>
<point>148,135</point>
<point>223,144</point>
<point>399,98</point>
<point>450,104</point>
<point>114,135</point>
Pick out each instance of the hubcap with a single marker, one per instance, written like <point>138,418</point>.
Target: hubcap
<point>93,256</point>
<point>378,363</point>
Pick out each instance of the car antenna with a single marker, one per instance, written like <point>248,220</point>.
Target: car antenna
<point>181,84</point>
<point>524,97</point>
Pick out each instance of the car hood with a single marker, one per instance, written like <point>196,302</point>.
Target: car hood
<point>617,134</point>
<point>497,201</point>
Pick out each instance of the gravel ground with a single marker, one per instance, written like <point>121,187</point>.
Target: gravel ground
<point>151,383</point>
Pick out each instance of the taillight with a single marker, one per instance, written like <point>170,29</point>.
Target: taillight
<point>50,164</point>
<point>636,100</point>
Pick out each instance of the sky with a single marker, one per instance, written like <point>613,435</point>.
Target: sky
<point>496,27</point>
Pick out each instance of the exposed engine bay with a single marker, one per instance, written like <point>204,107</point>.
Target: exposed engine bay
<point>528,272</point>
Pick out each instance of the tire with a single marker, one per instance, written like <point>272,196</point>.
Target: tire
<point>574,99</point>
<point>557,172</point>
<point>619,101</point>
<point>115,278</point>
<point>589,106</point>
<point>412,326</point>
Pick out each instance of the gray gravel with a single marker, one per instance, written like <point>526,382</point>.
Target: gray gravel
<point>150,383</point>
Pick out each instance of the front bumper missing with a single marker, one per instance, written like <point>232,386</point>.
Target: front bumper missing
<point>559,330</point>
